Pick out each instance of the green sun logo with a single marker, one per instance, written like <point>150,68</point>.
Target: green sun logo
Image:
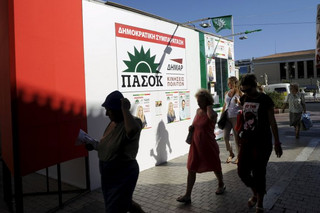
<point>141,62</point>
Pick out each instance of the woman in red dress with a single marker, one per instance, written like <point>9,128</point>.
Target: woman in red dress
<point>204,150</point>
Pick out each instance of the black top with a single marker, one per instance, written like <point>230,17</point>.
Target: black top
<point>256,128</point>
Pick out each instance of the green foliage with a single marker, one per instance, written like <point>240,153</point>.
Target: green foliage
<point>277,98</point>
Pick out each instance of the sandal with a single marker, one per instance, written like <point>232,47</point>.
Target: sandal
<point>252,201</point>
<point>229,159</point>
<point>236,161</point>
<point>184,199</point>
<point>220,190</point>
<point>259,209</point>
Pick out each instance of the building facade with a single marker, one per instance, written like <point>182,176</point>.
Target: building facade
<point>298,66</point>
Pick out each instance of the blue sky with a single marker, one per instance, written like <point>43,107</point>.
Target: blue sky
<point>287,25</point>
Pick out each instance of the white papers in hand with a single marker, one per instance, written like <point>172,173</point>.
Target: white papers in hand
<point>84,138</point>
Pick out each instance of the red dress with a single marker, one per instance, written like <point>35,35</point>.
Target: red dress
<point>204,150</point>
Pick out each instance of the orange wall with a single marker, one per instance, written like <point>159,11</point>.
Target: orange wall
<point>49,70</point>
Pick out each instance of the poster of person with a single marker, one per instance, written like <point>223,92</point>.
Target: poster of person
<point>172,99</point>
<point>211,70</point>
<point>158,108</point>
<point>231,69</point>
<point>209,46</point>
<point>184,107</point>
<point>230,51</point>
<point>140,107</point>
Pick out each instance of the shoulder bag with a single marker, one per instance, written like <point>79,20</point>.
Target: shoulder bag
<point>224,117</point>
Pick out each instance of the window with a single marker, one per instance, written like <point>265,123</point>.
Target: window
<point>282,71</point>
<point>280,89</point>
<point>300,69</point>
<point>291,70</point>
<point>310,69</point>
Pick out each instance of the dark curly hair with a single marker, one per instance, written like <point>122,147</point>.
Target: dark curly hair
<point>249,80</point>
<point>206,94</point>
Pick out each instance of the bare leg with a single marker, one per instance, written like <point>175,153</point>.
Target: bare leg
<point>252,200</point>
<point>221,187</point>
<point>220,178</point>
<point>297,129</point>
<point>190,182</point>
<point>260,197</point>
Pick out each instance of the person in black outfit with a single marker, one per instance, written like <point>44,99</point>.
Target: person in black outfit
<point>256,139</point>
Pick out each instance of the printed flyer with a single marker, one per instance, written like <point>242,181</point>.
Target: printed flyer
<point>172,99</point>
<point>184,105</point>
<point>140,107</point>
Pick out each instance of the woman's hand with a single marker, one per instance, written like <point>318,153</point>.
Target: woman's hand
<point>278,149</point>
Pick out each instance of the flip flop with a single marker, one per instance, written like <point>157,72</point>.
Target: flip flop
<point>183,199</point>
<point>221,190</point>
<point>229,159</point>
<point>252,202</point>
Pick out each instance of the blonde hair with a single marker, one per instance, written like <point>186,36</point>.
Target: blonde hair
<point>236,85</point>
<point>170,110</point>
<point>140,115</point>
<point>206,94</point>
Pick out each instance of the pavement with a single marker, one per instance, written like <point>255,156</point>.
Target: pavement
<point>293,183</point>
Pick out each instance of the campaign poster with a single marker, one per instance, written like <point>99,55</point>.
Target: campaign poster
<point>141,108</point>
<point>184,105</point>
<point>211,70</point>
<point>172,103</point>
<point>209,46</point>
<point>231,68</point>
<point>148,60</point>
<point>158,107</point>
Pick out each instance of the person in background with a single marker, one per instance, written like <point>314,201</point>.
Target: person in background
<point>204,150</point>
<point>255,139</point>
<point>297,105</point>
<point>171,115</point>
<point>117,151</point>
<point>232,104</point>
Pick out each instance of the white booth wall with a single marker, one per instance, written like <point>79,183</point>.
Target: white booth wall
<point>101,78</point>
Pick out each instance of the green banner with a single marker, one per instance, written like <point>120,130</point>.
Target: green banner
<point>222,22</point>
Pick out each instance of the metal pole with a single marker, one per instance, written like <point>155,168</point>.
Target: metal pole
<point>87,173</point>
<point>221,79</point>
<point>7,186</point>
<point>59,186</point>
<point>47,178</point>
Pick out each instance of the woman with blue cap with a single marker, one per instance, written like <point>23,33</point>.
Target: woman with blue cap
<point>117,151</point>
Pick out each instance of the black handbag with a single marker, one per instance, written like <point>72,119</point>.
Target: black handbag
<point>224,117</point>
<point>190,134</point>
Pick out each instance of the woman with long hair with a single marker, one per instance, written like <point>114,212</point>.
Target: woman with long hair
<point>232,105</point>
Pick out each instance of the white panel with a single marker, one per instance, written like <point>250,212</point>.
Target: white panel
<point>101,77</point>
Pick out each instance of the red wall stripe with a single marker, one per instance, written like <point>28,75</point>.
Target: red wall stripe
<point>50,81</point>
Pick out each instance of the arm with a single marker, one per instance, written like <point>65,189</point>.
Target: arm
<point>211,113</point>
<point>274,128</point>
<point>130,124</point>
<point>303,103</point>
<point>285,105</point>
<point>224,105</point>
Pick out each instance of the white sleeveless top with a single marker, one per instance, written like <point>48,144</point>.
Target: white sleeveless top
<point>233,108</point>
